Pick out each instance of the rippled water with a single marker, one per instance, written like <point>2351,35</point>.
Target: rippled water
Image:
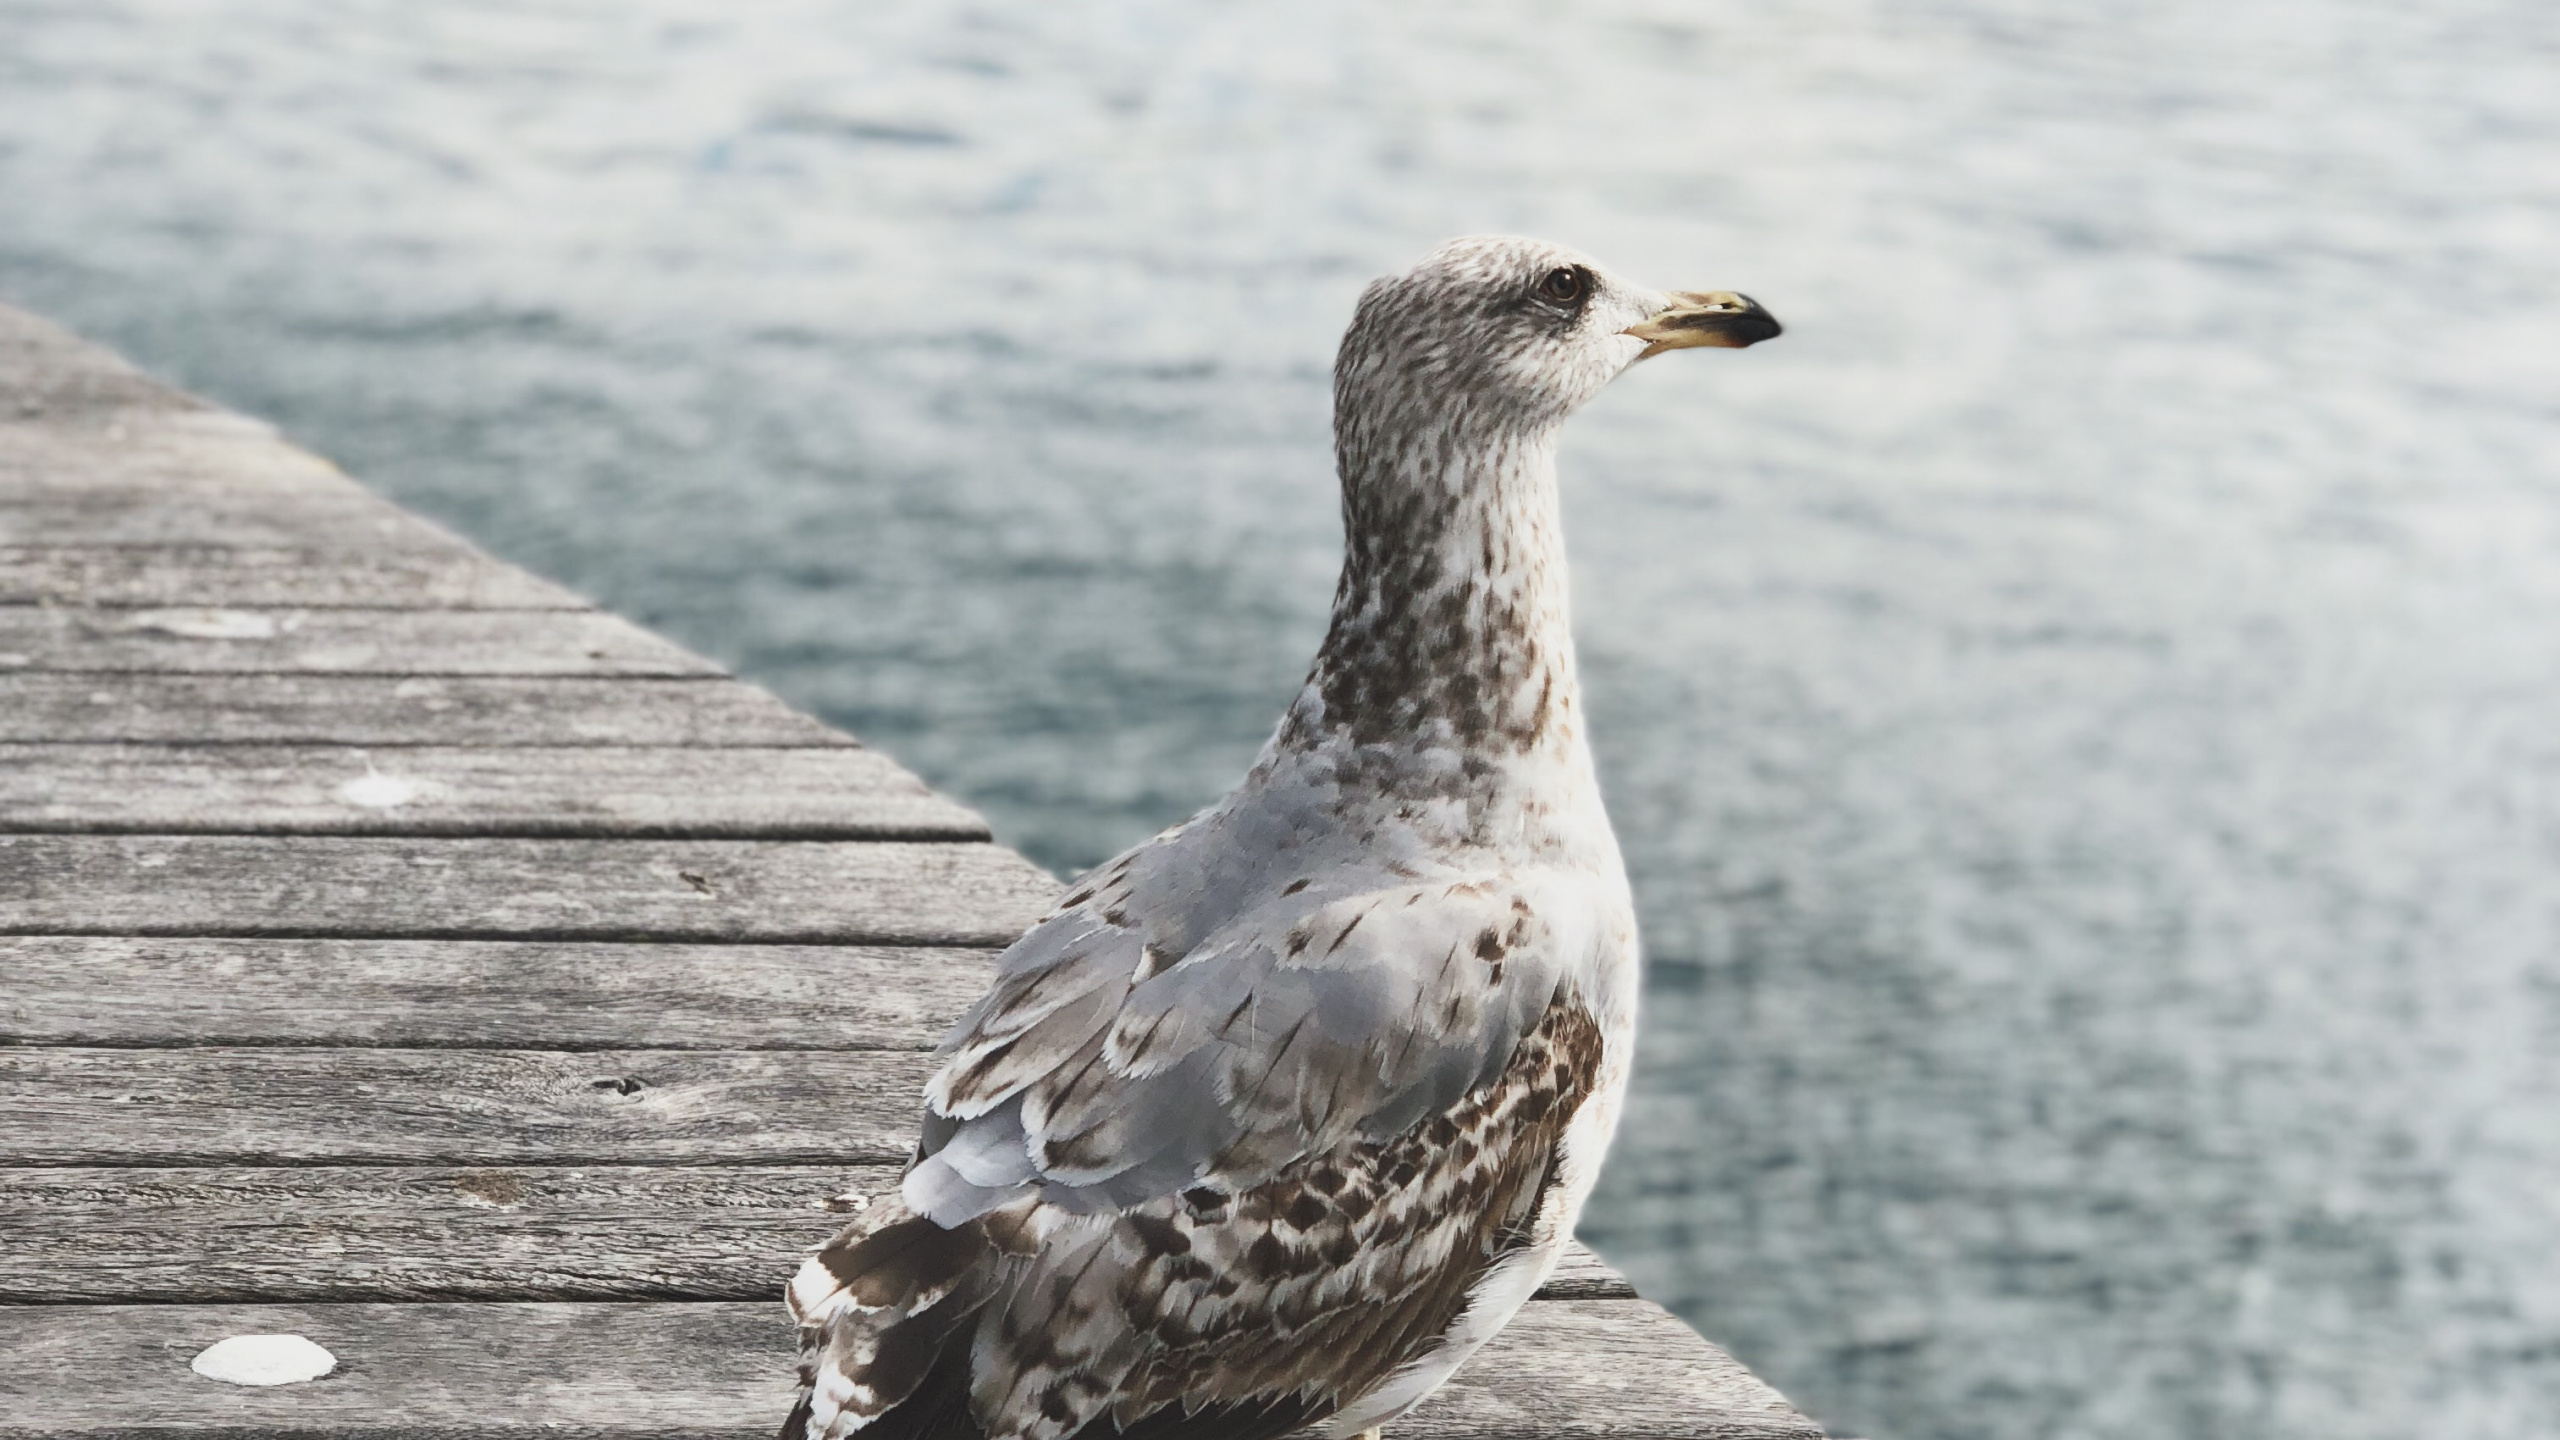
<point>2083,710</point>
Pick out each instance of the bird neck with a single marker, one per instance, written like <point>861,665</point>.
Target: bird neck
<point>1450,623</point>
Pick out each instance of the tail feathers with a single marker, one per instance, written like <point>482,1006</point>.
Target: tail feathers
<point>882,1307</point>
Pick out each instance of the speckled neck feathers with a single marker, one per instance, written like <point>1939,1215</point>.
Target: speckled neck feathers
<point>1450,623</point>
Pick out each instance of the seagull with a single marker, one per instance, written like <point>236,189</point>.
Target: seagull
<point>1279,1116</point>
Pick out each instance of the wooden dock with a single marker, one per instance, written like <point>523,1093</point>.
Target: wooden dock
<point>397,951</point>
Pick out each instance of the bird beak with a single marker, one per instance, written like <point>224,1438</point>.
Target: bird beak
<point>1705,317</point>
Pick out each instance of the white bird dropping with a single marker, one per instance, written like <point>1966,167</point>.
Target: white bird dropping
<point>374,790</point>
<point>263,1360</point>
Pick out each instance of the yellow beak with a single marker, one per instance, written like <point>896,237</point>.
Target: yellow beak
<point>1705,317</point>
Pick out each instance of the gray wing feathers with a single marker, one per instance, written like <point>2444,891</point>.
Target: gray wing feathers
<point>1119,1058</point>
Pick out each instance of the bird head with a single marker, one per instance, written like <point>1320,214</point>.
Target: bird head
<point>1519,333</point>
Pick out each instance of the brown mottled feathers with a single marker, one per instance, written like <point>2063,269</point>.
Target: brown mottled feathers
<point>1204,1314</point>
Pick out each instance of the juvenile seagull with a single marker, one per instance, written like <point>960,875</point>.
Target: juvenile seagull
<point>1280,1115</point>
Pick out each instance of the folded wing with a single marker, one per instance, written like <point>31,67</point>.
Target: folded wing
<point>1213,1179</point>
<point>1118,1059</point>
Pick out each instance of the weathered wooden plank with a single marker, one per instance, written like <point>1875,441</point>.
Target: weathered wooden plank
<point>204,576</point>
<point>1621,1369</point>
<point>223,1106</point>
<point>399,710</point>
<point>380,1232</point>
<point>589,1371</point>
<point>43,517</point>
<point>83,1235</point>
<point>371,642</point>
<point>96,990</point>
<point>47,370</point>
<point>193,479</point>
<point>841,793</point>
<point>353,1233</point>
<point>94,453</point>
<point>812,892</point>
<point>95,462</point>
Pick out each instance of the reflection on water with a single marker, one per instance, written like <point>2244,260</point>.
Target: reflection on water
<point>2079,709</point>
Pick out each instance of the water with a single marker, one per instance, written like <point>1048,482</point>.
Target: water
<point>2080,709</point>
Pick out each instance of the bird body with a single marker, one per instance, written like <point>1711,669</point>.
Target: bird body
<point>1283,1113</point>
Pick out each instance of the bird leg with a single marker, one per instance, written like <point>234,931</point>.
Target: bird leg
<point>1369,1434</point>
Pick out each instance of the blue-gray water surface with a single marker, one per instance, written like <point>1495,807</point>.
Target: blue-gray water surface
<point>2083,710</point>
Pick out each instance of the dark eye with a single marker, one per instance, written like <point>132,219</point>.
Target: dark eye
<point>1565,285</point>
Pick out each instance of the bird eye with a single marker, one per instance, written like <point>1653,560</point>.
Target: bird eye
<point>1564,285</point>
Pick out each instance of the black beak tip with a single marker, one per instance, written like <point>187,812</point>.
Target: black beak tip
<point>1756,325</point>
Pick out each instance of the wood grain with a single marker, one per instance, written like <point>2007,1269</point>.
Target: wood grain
<point>811,892</point>
<point>840,793</point>
<point>88,990</point>
<point>1621,1369</point>
<point>357,1233</point>
<point>350,642</point>
<point>225,1106</point>
<point>394,710</point>
<point>200,575</point>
